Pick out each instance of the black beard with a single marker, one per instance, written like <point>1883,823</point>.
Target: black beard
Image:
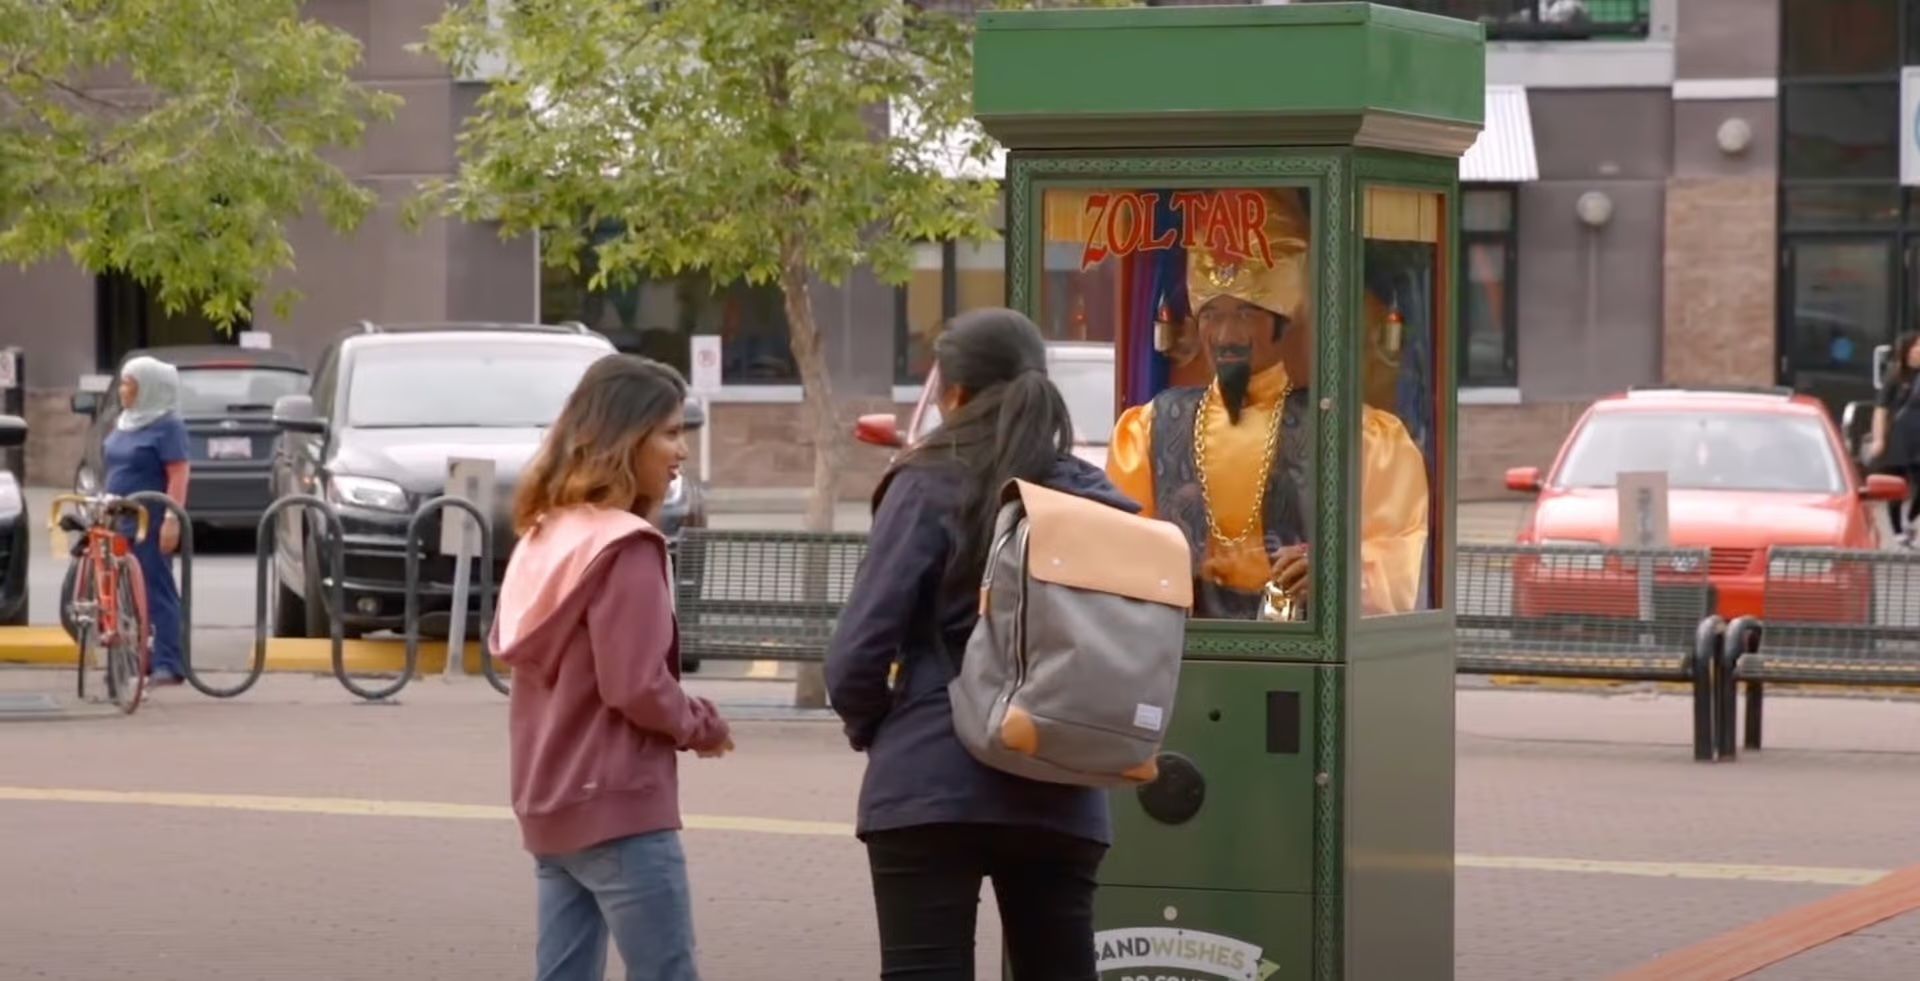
<point>1234,378</point>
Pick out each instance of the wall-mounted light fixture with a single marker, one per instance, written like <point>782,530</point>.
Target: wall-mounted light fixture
<point>1595,208</point>
<point>1735,135</point>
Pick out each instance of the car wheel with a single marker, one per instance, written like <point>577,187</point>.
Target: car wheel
<point>20,616</point>
<point>318,623</point>
<point>66,602</point>
<point>289,613</point>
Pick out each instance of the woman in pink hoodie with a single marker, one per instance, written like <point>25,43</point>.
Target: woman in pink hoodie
<point>597,715</point>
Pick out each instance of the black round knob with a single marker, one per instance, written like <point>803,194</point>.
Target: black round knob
<point>1175,796</point>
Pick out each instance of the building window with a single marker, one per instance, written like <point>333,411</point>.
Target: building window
<point>655,317</point>
<point>1849,233</point>
<point>948,278</point>
<point>1489,286</point>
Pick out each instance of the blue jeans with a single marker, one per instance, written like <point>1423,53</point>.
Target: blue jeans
<point>163,602</point>
<point>634,887</point>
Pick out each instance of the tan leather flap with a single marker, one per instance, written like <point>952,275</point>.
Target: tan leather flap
<point>1072,541</point>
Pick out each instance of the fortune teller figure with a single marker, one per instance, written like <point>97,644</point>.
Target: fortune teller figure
<point>1229,462</point>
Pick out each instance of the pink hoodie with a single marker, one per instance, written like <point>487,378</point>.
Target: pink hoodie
<point>597,712</point>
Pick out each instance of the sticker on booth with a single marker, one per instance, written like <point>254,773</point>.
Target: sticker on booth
<point>1173,954</point>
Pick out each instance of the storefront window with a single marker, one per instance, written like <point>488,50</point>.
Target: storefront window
<point>655,318</point>
<point>1840,37</point>
<point>948,278</point>
<point>1205,297</point>
<point>1841,131</point>
<point>1401,319</point>
<point>1489,257</point>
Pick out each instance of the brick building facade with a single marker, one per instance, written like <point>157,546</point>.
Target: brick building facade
<point>1664,115</point>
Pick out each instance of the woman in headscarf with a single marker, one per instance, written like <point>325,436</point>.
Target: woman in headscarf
<point>147,451</point>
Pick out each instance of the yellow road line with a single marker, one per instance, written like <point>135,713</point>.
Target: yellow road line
<point>1800,874</point>
<point>357,807</point>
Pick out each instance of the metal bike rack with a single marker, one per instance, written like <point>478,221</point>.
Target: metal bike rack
<point>185,554</point>
<point>487,586</point>
<point>264,552</point>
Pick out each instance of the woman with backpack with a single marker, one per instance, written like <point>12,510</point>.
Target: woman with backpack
<point>598,716</point>
<point>936,821</point>
<point>1894,447</point>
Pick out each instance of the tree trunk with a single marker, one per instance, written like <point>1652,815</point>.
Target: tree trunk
<point>810,689</point>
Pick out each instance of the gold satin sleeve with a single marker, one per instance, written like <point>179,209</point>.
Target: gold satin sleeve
<point>1129,459</point>
<point>1393,520</point>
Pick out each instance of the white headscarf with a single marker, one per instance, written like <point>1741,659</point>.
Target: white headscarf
<point>158,392</point>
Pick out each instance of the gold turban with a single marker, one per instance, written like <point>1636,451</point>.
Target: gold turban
<point>1267,268</point>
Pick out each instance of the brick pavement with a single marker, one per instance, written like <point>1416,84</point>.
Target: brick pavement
<point>169,892</point>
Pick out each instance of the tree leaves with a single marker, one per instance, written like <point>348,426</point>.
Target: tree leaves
<point>711,134</point>
<point>172,139</point>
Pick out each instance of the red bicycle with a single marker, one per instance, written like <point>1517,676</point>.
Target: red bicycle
<point>107,610</point>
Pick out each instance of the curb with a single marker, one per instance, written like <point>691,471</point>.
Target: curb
<point>50,647</point>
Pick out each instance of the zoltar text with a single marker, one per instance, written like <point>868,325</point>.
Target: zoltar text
<point>1228,223</point>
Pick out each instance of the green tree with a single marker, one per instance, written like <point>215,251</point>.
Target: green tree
<point>172,139</point>
<point>750,140</point>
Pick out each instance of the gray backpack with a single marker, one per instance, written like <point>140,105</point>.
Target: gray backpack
<point>1071,671</point>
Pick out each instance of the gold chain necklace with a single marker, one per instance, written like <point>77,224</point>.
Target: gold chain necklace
<point>1266,466</point>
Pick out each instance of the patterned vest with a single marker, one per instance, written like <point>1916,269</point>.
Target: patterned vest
<point>1177,497</point>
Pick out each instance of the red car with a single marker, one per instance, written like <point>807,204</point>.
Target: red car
<point>1747,472</point>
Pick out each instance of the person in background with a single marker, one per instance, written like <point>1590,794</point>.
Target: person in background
<point>1894,447</point>
<point>148,451</point>
<point>936,821</point>
<point>597,713</point>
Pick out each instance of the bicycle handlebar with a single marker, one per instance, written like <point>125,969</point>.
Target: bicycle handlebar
<point>106,505</point>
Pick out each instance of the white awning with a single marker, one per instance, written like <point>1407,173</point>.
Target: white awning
<point>1504,152</point>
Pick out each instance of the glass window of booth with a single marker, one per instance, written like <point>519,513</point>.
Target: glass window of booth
<point>1402,324</point>
<point>1204,296</point>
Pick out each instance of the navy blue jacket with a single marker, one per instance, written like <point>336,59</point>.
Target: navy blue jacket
<point>918,773</point>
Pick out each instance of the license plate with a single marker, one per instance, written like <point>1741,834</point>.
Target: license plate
<point>230,448</point>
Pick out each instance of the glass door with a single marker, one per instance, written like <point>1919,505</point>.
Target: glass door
<point>1838,299</point>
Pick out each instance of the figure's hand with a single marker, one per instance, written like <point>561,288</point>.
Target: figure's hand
<point>715,752</point>
<point>1292,568</point>
<point>1875,447</point>
<point>169,534</point>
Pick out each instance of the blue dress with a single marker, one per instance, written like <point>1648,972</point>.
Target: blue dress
<point>137,461</point>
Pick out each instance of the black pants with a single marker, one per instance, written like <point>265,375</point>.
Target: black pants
<point>1902,513</point>
<point>926,887</point>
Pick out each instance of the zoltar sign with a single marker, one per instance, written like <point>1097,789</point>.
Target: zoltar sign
<point>1227,223</point>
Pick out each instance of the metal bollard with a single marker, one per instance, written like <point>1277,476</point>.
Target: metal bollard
<point>412,614</point>
<point>334,539</point>
<point>168,504</point>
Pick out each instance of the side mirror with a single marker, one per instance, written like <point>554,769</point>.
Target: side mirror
<point>1884,487</point>
<point>85,403</point>
<point>879,429</point>
<point>1524,480</point>
<point>693,416</point>
<point>13,431</point>
<point>294,414</point>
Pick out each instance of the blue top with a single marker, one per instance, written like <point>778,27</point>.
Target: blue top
<point>137,458</point>
<point>918,772</point>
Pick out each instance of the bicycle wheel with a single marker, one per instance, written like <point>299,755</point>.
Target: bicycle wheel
<point>127,646</point>
<point>86,637</point>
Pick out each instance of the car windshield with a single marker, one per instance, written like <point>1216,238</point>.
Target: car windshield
<point>231,390</point>
<point>1087,387</point>
<point>467,385</point>
<point>1737,451</point>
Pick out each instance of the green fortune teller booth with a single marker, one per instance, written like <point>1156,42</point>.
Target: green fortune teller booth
<point>1256,206</point>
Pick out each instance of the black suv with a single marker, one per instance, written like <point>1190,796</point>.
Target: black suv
<point>390,404</point>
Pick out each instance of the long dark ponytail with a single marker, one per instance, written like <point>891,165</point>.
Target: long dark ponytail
<point>1013,424</point>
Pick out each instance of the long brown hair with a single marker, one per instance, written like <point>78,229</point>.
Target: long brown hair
<point>588,455</point>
